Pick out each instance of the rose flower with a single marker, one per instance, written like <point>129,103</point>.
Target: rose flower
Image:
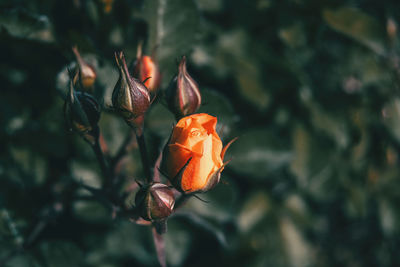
<point>193,157</point>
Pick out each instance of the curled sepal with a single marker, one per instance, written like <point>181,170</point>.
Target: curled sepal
<point>85,75</point>
<point>227,146</point>
<point>82,113</point>
<point>183,94</point>
<point>177,180</point>
<point>213,179</point>
<point>130,97</point>
<point>155,202</point>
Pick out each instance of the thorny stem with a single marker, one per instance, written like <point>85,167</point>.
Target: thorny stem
<point>103,163</point>
<point>32,237</point>
<point>123,149</point>
<point>160,247</point>
<point>143,156</point>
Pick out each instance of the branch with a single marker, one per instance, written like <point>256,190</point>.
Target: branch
<point>160,247</point>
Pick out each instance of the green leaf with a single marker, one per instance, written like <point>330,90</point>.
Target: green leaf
<point>173,30</point>
<point>218,105</point>
<point>20,23</point>
<point>257,153</point>
<point>61,253</point>
<point>357,25</point>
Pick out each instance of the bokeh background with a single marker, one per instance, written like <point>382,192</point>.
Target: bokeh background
<point>310,87</point>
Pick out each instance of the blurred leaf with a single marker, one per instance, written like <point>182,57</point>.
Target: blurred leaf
<point>391,117</point>
<point>131,240</point>
<point>92,211</point>
<point>357,25</point>
<point>86,174</point>
<point>253,211</point>
<point>297,248</point>
<point>248,76</point>
<point>174,28</point>
<point>61,253</point>
<point>21,23</point>
<point>293,36</point>
<point>312,163</point>
<point>219,106</point>
<point>177,243</point>
<point>257,153</point>
<point>160,120</point>
<point>220,202</point>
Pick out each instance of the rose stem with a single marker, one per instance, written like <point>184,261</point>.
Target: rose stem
<point>123,149</point>
<point>143,155</point>
<point>160,247</point>
<point>102,161</point>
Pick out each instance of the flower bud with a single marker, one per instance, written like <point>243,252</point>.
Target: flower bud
<point>130,97</point>
<point>183,94</point>
<point>82,113</point>
<point>107,5</point>
<point>193,157</point>
<point>155,201</point>
<point>391,29</point>
<point>85,75</point>
<point>146,70</point>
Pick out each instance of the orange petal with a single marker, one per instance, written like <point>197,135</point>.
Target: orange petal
<point>178,155</point>
<point>216,151</point>
<point>199,169</point>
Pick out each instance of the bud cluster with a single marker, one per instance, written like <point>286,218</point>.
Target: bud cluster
<point>190,169</point>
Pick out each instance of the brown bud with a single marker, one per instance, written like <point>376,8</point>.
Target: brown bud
<point>183,94</point>
<point>155,201</point>
<point>85,75</point>
<point>130,97</point>
<point>82,113</point>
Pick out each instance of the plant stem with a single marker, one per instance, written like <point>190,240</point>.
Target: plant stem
<point>103,163</point>
<point>160,247</point>
<point>123,149</point>
<point>144,157</point>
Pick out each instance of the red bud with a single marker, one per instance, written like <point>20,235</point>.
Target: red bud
<point>155,201</point>
<point>183,94</point>
<point>85,75</point>
<point>130,97</point>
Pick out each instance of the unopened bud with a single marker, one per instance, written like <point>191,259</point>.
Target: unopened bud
<point>183,93</point>
<point>391,29</point>
<point>130,97</point>
<point>107,5</point>
<point>146,70</point>
<point>155,201</point>
<point>85,75</point>
<point>82,113</point>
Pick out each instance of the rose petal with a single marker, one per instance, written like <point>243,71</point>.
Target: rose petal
<point>216,151</point>
<point>192,135</point>
<point>178,155</point>
<point>199,169</point>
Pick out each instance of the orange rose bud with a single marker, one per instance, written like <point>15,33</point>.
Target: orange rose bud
<point>146,70</point>
<point>183,94</point>
<point>82,113</point>
<point>85,75</point>
<point>155,202</point>
<point>130,96</point>
<point>193,157</point>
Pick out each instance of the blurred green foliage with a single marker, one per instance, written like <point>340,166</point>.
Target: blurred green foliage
<point>310,87</point>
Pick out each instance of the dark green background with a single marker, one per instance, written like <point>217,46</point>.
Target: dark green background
<point>310,87</point>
